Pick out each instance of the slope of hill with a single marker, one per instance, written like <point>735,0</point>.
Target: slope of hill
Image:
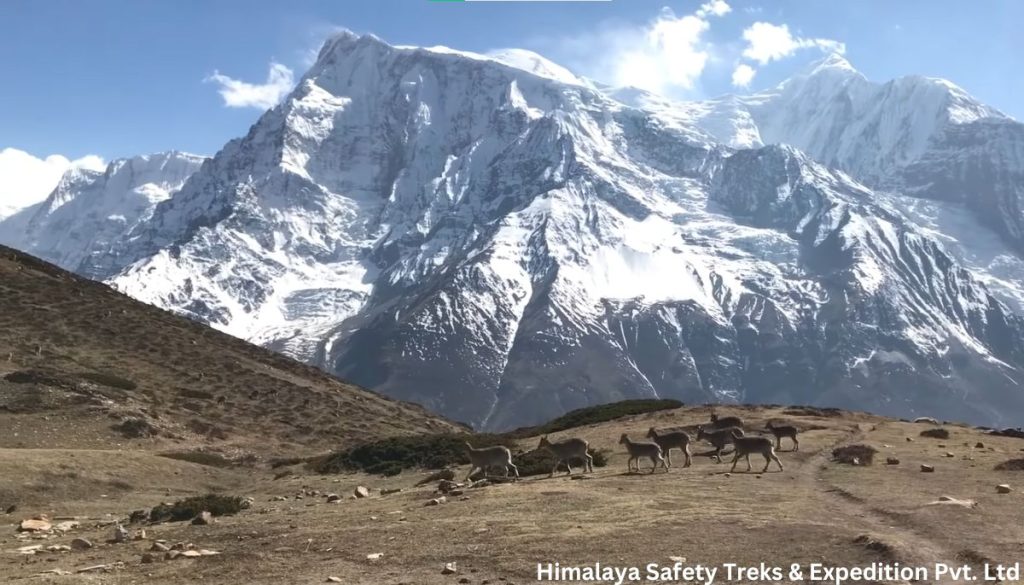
<point>815,511</point>
<point>82,365</point>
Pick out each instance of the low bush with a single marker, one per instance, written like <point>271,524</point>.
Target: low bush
<point>390,456</point>
<point>110,380</point>
<point>855,454</point>
<point>189,508</point>
<point>540,462</point>
<point>1011,465</point>
<point>136,428</point>
<point>598,414</point>
<point>938,433</point>
<point>201,458</point>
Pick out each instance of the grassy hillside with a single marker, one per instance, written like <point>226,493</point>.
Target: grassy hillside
<point>82,365</point>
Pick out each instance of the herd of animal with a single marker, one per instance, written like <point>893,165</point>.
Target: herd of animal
<point>720,433</point>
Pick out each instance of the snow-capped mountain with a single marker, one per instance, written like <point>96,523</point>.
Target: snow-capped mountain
<point>89,211</point>
<point>502,241</point>
<point>918,135</point>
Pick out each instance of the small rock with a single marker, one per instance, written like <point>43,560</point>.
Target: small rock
<point>728,475</point>
<point>449,569</point>
<point>148,558</point>
<point>248,502</point>
<point>138,516</point>
<point>204,518</point>
<point>334,579</point>
<point>80,544</point>
<point>121,534</point>
<point>677,559</point>
<point>65,526</point>
<point>979,445</point>
<point>892,461</point>
<point>374,556</point>
<point>948,454</point>
<point>279,499</point>
<point>35,525</point>
<point>389,491</point>
<point>910,440</point>
<point>361,492</point>
<point>331,498</point>
<point>58,548</point>
<point>436,501</point>
<point>464,580</point>
<point>159,547</point>
<point>172,554</point>
<point>927,468</point>
<point>11,509</point>
<point>444,486</point>
<point>1004,488</point>
<point>456,493</point>
<point>191,554</point>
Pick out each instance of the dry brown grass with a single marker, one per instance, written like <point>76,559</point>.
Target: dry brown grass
<point>81,364</point>
<point>814,510</point>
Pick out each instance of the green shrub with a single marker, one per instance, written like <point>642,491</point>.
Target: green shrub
<point>136,428</point>
<point>201,458</point>
<point>189,508</point>
<point>105,379</point>
<point>540,462</point>
<point>598,414</point>
<point>390,456</point>
<point>938,433</point>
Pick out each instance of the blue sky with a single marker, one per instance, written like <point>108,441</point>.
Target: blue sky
<point>119,77</point>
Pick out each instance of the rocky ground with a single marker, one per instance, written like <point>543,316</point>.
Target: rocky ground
<point>295,532</point>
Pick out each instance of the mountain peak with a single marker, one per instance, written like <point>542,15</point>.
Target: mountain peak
<point>832,63</point>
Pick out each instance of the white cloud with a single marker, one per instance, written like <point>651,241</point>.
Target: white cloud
<point>743,75</point>
<point>26,180</point>
<point>665,56</point>
<point>241,94</point>
<point>767,42</point>
<point>714,8</point>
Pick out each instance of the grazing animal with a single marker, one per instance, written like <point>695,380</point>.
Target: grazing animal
<point>724,423</point>
<point>781,431</point>
<point>747,445</point>
<point>646,450</point>
<point>669,441</point>
<point>490,457</point>
<point>567,450</point>
<point>718,438</point>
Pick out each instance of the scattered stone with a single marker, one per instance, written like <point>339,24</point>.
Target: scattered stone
<point>159,547</point>
<point>949,454</point>
<point>950,501</point>
<point>449,569</point>
<point>361,492</point>
<point>148,558</point>
<point>11,509</point>
<point>191,554</point>
<point>65,526</point>
<point>1004,488</point>
<point>910,440</point>
<point>30,549</point>
<point>677,559</point>
<point>926,419</point>
<point>374,556</point>
<point>464,580</point>
<point>279,499</point>
<point>979,445</point>
<point>248,502</point>
<point>456,493</point>
<point>436,501</point>
<point>334,579</point>
<point>927,468</point>
<point>482,530</point>
<point>171,555</point>
<point>39,524</point>
<point>80,544</point>
<point>140,535</point>
<point>892,461</point>
<point>138,516</point>
<point>204,518</point>
<point>331,498</point>
<point>389,491</point>
<point>728,475</point>
<point>58,548</point>
<point>121,534</point>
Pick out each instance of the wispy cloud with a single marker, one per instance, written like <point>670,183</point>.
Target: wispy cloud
<point>242,94</point>
<point>767,42</point>
<point>743,75</point>
<point>666,55</point>
<point>26,180</point>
